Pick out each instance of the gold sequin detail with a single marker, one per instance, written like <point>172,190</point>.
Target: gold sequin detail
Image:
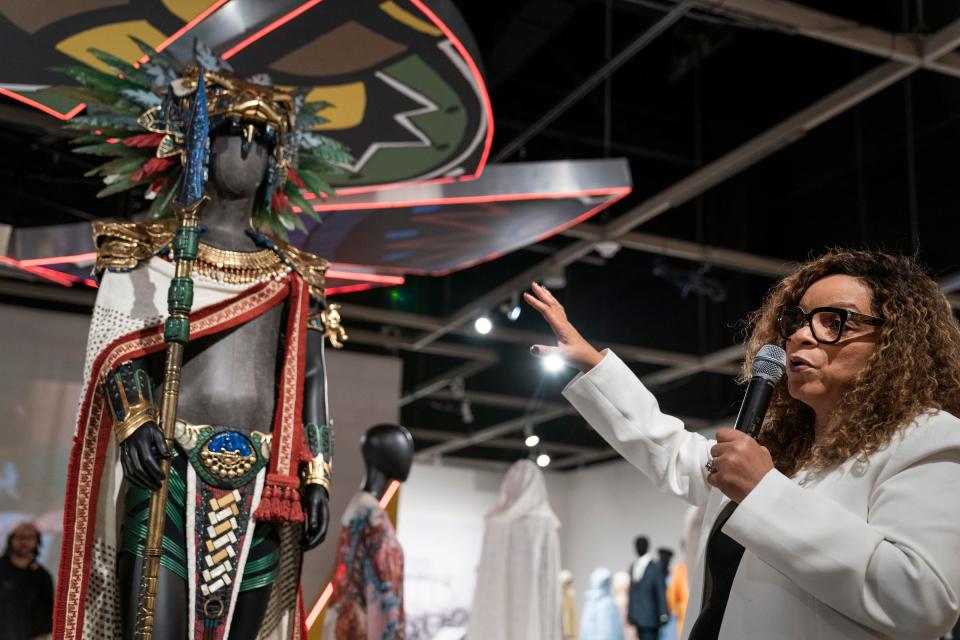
<point>239,267</point>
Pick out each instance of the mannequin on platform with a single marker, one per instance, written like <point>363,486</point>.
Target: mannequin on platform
<point>647,609</point>
<point>367,601</point>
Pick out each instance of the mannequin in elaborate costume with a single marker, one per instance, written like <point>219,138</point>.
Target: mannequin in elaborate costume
<point>251,465</point>
<point>367,601</point>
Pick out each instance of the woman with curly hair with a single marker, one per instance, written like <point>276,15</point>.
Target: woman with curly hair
<point>842,518</point>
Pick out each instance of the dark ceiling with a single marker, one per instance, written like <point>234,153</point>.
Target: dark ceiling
<point>881,174</point>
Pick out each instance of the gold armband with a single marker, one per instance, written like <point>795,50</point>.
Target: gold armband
<point>319,470</point>
<point>130,395</point>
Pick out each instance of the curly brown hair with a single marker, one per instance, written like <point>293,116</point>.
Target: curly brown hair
<point>915,367</point>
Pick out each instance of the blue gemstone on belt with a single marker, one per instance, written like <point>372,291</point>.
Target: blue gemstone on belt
<point>230,441</point>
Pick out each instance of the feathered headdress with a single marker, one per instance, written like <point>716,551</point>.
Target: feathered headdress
<point>138,117</point>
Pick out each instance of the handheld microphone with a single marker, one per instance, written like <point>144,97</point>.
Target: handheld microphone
<point>768,367</point>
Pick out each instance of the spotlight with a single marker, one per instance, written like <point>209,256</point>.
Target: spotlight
<point>543,460</point>
<point>532,440</point>
<point>483,325</point>
<point>553,363</point>
<point>512,308</point>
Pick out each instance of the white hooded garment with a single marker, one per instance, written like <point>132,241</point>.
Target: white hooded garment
<point>518,591</point>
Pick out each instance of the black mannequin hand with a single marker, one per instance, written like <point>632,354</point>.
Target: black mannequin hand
<point>316,513</point>
<point>140,456</point>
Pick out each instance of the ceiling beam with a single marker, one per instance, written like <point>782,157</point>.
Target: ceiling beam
<point>819,25</point>
<point>503,443</point>
<point>715,359</point>
<point>692,186</point>
<point>545,412</point>
<point>693,251</point>
<point>499,400</point>
<point>515,336</point>
<point>748,154</point>
<point>397,343</point>
<point>444,379</point>
<point>492,432</point>
<point>519,403</point>
<point>639,44</point>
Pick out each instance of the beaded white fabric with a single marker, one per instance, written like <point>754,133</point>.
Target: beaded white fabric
<point>126,302</point>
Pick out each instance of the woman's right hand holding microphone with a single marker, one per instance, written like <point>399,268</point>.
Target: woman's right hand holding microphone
<point>571,346</point>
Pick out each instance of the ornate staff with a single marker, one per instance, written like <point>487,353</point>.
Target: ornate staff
<point>176,333</point>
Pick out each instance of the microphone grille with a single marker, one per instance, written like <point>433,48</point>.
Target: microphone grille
<point>770,363</point>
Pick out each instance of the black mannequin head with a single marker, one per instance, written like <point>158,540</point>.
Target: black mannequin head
<point>233,173</point>
<point>388,454</point>
<point>666,555</point>
<point>641,544</point>
<point>236,172</point>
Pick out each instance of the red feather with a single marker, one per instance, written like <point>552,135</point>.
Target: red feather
<point>144,140</point>
<point>295,178</point>
<point>279,202</point>
<point>152,166</point>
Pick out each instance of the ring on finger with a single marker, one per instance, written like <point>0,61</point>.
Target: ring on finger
<point>711,466</point>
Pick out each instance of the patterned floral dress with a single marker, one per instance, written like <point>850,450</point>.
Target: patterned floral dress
<point>367,602</point>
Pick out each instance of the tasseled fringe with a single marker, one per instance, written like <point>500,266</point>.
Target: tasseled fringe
<point>280,500</point>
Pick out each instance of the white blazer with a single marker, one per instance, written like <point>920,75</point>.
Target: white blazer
<point>861,550</point>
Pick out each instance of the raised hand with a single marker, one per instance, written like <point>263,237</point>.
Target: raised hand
<point>140,456</point>
<point>571,346</point>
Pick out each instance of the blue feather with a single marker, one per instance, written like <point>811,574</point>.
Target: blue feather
<point>198,131</point>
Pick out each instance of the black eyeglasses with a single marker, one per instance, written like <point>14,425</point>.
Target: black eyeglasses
<point>826,323</point>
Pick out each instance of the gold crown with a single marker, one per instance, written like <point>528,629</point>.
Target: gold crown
<point>227,96</point>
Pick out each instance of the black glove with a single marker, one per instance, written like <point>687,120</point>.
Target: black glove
<point>140,456</point>
<point>316,512</point>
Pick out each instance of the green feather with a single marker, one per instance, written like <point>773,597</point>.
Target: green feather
<point>123,165</point>
<point>296,198</point>
<point>319,165</point>
<point>307,121</point>
<point>105,86</point>
<point>84,139</point>
<point>315,182</point>
<point>120,185</point>
<point>117,150</point>
<point>313,108</point>
<point>130,72</point>
<point>161,58</point>
<point>292,219</point>
<point>161,206</point>
<point>271,222</point>
<point>106,121</point>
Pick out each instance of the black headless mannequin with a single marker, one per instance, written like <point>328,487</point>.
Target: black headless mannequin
<point>227,379</point>
<point>387,455</point>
